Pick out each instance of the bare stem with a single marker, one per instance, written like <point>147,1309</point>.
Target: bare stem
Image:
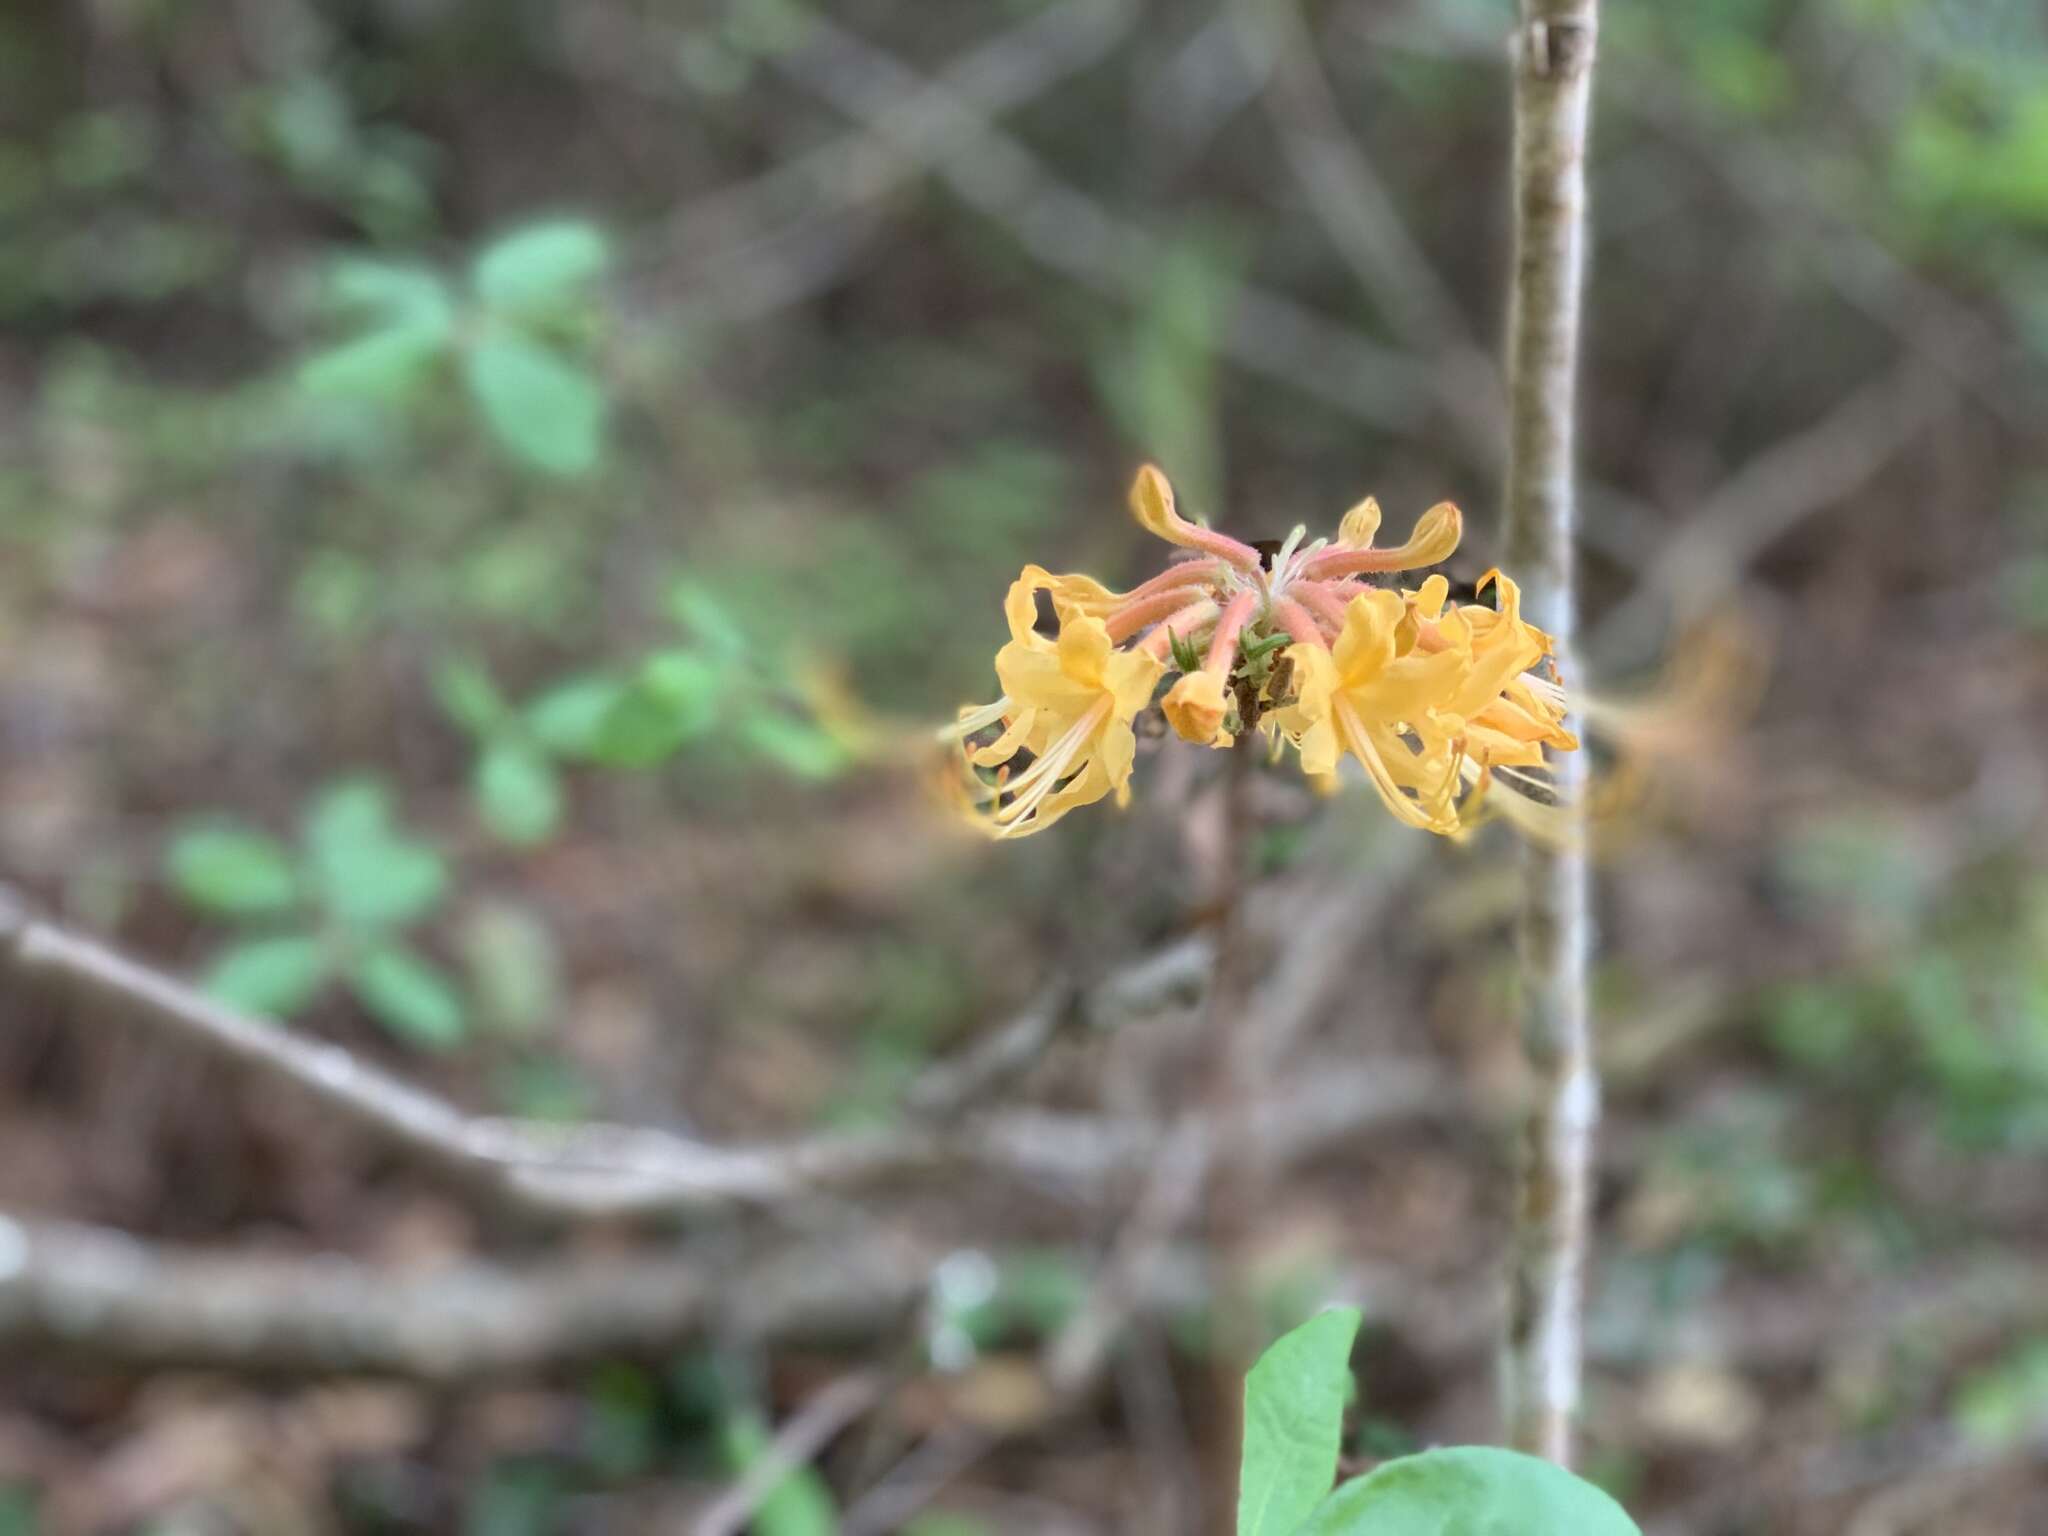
<point>1553,48</point>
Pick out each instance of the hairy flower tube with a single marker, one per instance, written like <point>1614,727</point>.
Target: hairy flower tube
<point>1436,701</point>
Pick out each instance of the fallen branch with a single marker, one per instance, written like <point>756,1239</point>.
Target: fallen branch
<point>591,1172</point>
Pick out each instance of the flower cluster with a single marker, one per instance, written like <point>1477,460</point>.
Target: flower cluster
<point>1437,701</point>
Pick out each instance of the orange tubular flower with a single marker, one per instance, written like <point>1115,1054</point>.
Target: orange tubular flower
<point>1428,699</point>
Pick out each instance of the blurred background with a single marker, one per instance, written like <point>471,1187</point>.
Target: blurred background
<point>480,479</point>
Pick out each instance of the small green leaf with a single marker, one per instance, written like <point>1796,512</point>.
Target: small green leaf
<point>352,811</point>
<point>384,883</point>
<point>408,996</point>
<point>539,266</point>
<point>698,609</point>
<point>568,717</point>
<point>794,745</point>
<point>686,681</point>
<point>368,876</point>
<point>517,792</point>
<point>232,870</point>
<point>394,293</point>
<point>673,700</point>
<point>386,365</point>
<point>2005,1402</point>
<point>542,409</point>
<point>472,700</point>
<point>800,1504</point>
<point>1293,1420</point>
<point>273,977</point>
<point>1465,1491</point>
<point>1185,657</point>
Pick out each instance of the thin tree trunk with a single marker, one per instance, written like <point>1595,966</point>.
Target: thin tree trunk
<point>1553,48</point>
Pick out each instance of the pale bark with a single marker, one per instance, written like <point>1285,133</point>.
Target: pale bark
<point>1553,59</point>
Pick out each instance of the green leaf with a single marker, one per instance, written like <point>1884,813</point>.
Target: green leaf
<point>394,293</point>
<point>1293,1420</point>
<point>517,792</point>
<point>543,410</point>
<point>352,811</point>
<point>386,883</point>
<point>1468,1491</point>
<point>2003,1403</point>
<point>368,877</point>
<point>692,604</point>
<point>386,365</point>
<point>471,698</point>
<point>408,996</point>
<point>800,1504</point>
<point>541,265</point>
<point>568,717</point>
<point>794,745</point>
<point>232,870</point>
<point>673,700</point>
<point>273,977</point>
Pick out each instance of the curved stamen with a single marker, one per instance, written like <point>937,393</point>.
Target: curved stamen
<point>1185,624</point>
<point>1127,621</point>
<point>1298,623</point>
<point>1327,605</point>
<point>972,720</point>
<point>1152,504</point>
<point>1435,538</point>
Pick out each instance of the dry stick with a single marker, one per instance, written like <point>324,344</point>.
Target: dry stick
<point>596,1172</point>
<point>89,1294</point>
<point>1553,51</point>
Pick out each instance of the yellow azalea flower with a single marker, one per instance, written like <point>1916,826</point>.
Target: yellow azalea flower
<point>1361,698</point>
<point>1069,702</point>
<point>1433,699</point>
<point>1195,707</point>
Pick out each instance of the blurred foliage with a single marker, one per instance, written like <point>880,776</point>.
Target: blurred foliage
<point>350,444</point>
<point>513,341</point>
<point>337,908</point>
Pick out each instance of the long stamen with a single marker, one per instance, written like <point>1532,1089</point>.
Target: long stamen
<point>1152,504</point>
<point>1183,573</point>
<point>1295,619</point>
<point>1056,756</point>
<point>1223,644</point>
<point>1435,538</point>
<point>1319,600</point>
<point>972,720</point>
<point>1362,748</point>
<point>1127,621</point>
<point>1045,775</point>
